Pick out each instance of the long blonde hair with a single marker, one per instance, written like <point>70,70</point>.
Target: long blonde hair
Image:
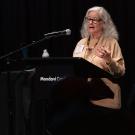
<point>109,29</point>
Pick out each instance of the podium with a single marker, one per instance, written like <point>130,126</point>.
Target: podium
<point>50,71</point>
<point>55,84</point>
<point>50,80</point>
<point>74,65</point>
<point>47,72</point>
<point>71,66</point>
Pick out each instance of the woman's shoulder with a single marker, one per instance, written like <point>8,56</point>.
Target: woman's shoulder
<point>82,41</point>
<point>111,39</point>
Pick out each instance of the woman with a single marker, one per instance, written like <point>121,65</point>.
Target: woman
<point>99,45</point>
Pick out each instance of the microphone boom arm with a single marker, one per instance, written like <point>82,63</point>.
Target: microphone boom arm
<point>47,36</point>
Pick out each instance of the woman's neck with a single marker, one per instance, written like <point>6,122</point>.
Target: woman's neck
<point>96,35</point>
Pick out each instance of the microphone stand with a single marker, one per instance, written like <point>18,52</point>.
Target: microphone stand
<point>27,46</point>
<point>11,110</point>
<point>47,36</point>
<point>11,107</point>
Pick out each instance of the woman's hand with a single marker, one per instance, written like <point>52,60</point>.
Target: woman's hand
<point>103,53</point>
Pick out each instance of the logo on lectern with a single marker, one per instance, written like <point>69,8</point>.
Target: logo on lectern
<point>50,78</point>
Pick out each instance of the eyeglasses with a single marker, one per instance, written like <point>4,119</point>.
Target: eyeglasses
<point>93,20</point>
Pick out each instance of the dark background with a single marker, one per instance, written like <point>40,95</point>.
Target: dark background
<point>25,21</point>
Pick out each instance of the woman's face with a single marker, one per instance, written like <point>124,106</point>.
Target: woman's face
<point>94,23</point>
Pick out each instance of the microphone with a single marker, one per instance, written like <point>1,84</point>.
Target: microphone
<point>58,33</point>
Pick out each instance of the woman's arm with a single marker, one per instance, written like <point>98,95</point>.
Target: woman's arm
<point>114,102</point>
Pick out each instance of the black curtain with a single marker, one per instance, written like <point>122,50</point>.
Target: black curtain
<point>25,21</point>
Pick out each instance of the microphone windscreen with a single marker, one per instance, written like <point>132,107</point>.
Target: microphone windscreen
<point>68,32</point>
